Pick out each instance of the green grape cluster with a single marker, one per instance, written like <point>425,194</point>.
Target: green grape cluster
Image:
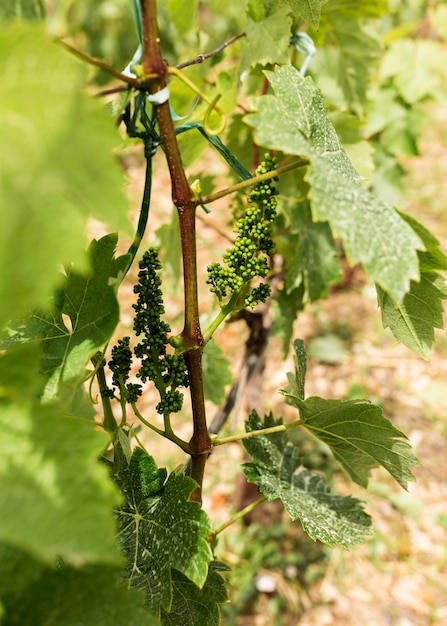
<point>120,365</point>
<point>167,371</point>
<point>247,259</point>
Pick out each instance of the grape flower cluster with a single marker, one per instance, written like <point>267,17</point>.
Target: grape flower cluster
<point>247,259</point>
<point>166,371</point>
<point>120,365</point>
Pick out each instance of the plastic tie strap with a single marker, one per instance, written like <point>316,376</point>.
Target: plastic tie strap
<point>305,46</point>
<point>160,97</point>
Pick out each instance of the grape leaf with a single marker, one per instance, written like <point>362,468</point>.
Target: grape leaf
<point>89,301</point>
<point>159,528</point>
<point>432,258</point>
<point>266,41</point>
<point>35,595</point>
<point>314,261</point>
<point>373,233</point>
<point>309,10</point>
<point>60,171</point>
<point>326,517</point>
<point>413,321</point>
<point>289,304</point>
<point>22,10</point>
<point>359,50</point>
<point>361,8</point>
<point>359,436</point>
<point>216,373</point>
<point>56,498</point>
<point>182,15</point>
<point>191,605</point>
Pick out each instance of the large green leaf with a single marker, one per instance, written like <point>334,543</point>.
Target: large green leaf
<point>314,260</point>
<point>358,49</point>
<point>56,498</point>
<point>88,300</point>
<point>294,120</point>
<point>359,436</point>
<point>159,528</point>
<point>308,10</point>
<point>267,41</point>
<point>57,171</point>
<point>414,319</point>
<point>191,605</point>
<point>326,517</point>
<point>38,596</point>
<point>421,311</point>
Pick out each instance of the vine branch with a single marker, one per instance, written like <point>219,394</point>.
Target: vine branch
<point>183,199</point>
<point>251,181</point>
<point>202,57</point>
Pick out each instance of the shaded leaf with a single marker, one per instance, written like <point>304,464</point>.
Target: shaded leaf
<point>373,233</point>
<point>52,597</point>
<point>326,517</point>
<point>216,373</point>
<point>56,498</point>
<point>159,528</point>
<point>359,436</point>
<point>289,305</point>
<point>192,605</point>
<point>59,172</point>
<point>315,258</point>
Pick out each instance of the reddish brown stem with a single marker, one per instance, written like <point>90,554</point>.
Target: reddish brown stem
<point>183,199</point>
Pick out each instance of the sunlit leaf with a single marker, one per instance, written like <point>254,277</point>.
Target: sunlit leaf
<point>359,436</point>
<point>294,120</point>
<point>58,171</point>
<point>159,528</point>
<point>56,498</point>
<point>274,467</point>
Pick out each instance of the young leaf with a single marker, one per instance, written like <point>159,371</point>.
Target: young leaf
<point>267,41</point>
<point>216,373</point>
<point>159,528</point>
<point>326,517</point>
<point>373,233</point>
<point>359,436</point>
<point>413,321</point>
<point>89,301</point>
<point>308,10</point>
<point>192,605</point>
<point>56,498</point>
<point>64,596</point>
